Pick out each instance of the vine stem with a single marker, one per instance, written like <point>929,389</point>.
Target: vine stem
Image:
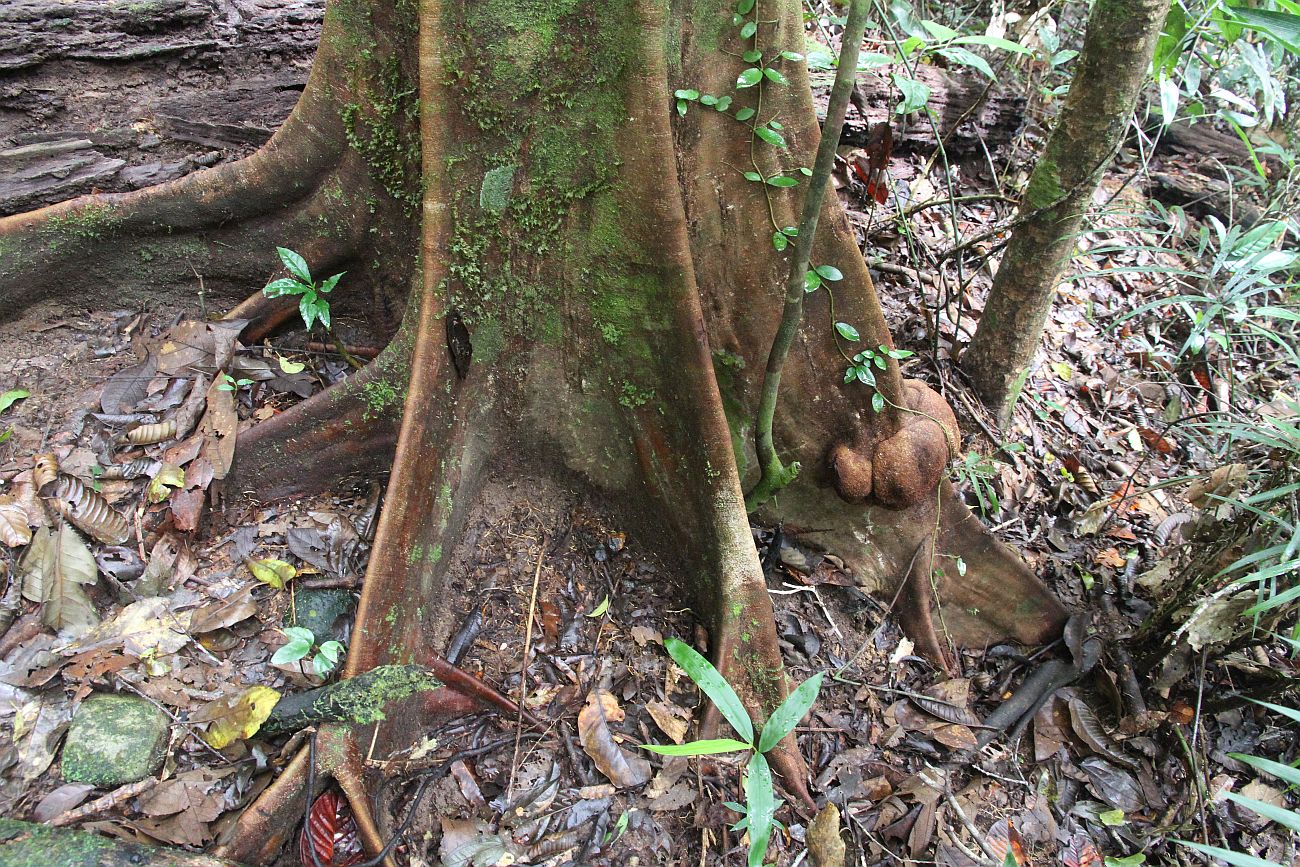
<point>775,474</point>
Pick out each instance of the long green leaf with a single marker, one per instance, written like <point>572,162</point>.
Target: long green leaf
<point>1238,858</point>
<point>761,807</point>
<point>787,716</point>
<point>1282,26</point>
<point>1288,712</point>
<point>699,748</point>
<point>1286,773</point>
<point>712,684</point>
<point>1283,817</point>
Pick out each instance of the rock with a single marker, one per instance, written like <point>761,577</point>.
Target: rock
<point>113,740</point>
<point>324,612</point>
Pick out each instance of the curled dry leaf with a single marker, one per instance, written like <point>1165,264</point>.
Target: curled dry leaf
<point>149,434</point>
<point>232,720</point>
<point>45,469</point>
<point>133,469</point>
<point>621,767</point>
<point>87,510</point>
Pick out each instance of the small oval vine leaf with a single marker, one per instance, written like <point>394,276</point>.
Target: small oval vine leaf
<point>829,273</point>
<point>847,331</point>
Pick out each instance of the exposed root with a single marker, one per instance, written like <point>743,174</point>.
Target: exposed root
<point>348,429</point>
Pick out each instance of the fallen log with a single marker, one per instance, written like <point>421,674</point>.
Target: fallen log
<point>23,844</point>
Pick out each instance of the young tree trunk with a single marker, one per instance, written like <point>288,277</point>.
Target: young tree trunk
<point>616,274</point>
<point>1116,56</point>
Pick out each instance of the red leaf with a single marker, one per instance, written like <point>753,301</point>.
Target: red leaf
<point>331,831</point>
<point>1004,838</point>
<point>872,166</point>
<point>1081,853</point>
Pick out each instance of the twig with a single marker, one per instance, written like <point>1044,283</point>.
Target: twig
<point>523,664</point>
<point>970,826</point>
<point>105,803</point>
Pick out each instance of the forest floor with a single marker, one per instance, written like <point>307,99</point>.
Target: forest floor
<point>1085,484</point>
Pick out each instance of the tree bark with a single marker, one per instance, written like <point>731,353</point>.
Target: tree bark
<point>1112,69</point>
<point>615,271</point>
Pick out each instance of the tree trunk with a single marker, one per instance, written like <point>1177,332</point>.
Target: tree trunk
<point>616,274</point>
<point>1116,56</point>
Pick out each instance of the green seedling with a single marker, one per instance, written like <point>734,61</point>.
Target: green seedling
<point>310,303</point>
<point>301,643</point>
<point>759,810</point>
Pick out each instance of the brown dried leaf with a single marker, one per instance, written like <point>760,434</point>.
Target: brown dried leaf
<point>825,847</point>
<point>1003,838</point>
<point>219,426</point>
<point>53,569</point>
<point>1085,724</point>
<point>14,529</point>
<point>621,767</point>
<point>673,720</point>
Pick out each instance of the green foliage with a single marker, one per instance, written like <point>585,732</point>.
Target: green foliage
<point>311,305</point>
<point>761,803</point>
<point>229,383</point>
<point>980,473</point>
<point>301,643</point>
<point>8,399</point>
<point>1289,819</point>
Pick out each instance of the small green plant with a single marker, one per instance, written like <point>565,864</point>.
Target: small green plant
<point>8,399</point>
<point>229,383</point>
<point>759,809</point>
<point>301,643</point>
<point>980,471</point>
<point>860,366</point>
<point>310,303</point>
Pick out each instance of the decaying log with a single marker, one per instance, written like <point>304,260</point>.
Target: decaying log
<point>33,174</point>
<point>967,111</point>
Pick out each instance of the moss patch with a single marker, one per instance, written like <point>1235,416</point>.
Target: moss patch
<point>113,740</point>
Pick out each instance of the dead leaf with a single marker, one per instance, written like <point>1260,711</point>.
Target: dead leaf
<point>187,509</point>
<point>61,800</point>
<point>146,629</point>
<point>825,847</point>
<point>623,769</point>
<point>14,528</point>
<point>168,476</point>
<point>1110,557</point>
<point>671,719</point>
<point>271,571</point>
<point>1004,839</point>
<point>218,428</point>
<point>236,719</point>
<point>53,569</point>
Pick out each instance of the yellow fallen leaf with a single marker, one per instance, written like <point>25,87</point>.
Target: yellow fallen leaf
<point>291,367</point>
<point>241,719</point>
<point>168,476</point>
<point>271,571</point>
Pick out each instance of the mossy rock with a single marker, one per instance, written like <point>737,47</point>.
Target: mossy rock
<point>114,740</point>
<point>321,611</point>
<point>26,845</point>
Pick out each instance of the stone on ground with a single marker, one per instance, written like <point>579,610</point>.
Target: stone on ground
<point>113,740</point>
